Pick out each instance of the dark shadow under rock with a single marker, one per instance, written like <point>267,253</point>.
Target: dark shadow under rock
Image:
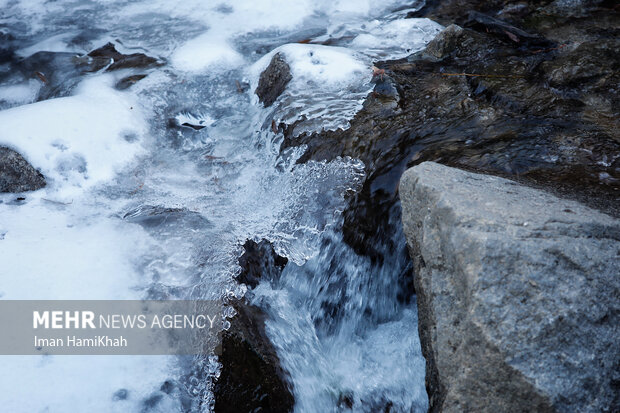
<point>273,80</point>
<point>16,174</point>
<point>252,378</point>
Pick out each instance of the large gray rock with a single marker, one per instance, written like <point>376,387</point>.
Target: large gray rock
<point>518,295</point>
<point>16,174</point>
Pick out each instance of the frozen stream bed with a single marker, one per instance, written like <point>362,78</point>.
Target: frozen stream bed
<point>153,186</point>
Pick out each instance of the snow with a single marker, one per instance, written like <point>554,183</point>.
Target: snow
<point>59,384</point>
<point>324,67</point>
<point>205,51</point>
<point>77,141</point>
<point>49,253</point>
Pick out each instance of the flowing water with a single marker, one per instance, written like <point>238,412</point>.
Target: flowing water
<point>140,204</point>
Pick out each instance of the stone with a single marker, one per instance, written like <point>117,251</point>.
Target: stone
<point>252,378</point>
<point>16,174</point>
<point>444,42</point>
<point>108,55</point>
<point>505,31</point>
<point>260,262</point>
<point>127,82</point>
<point>273,80</point>
<point>518,294</point>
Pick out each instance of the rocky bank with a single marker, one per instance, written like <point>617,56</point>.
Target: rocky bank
<point>517,289</point>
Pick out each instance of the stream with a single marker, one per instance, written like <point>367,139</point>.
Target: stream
<point>152,190</point>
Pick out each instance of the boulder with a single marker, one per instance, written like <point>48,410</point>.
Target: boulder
<point>273,80</point>
<point>16,174</point>
<point>518,294</point>
<point>252,378</point>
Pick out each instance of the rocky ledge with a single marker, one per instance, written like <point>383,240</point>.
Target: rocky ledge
<point>518,294</point>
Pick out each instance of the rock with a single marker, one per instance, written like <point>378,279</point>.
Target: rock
<point>260,262</point>
<point>591,62</point>
<point>273,80</point>
<point>444,42</point>
<point>518,294</point>
<point>544,117</point>
<point>129,81</point>
<point>252,379</point>
<point>104,55</point>
<point>506,32</point>
<point>16,174</point>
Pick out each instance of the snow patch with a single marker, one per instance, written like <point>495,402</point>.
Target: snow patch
<point>77,141</point>
<point>205,51</point>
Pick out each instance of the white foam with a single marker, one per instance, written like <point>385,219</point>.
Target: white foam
<point>77,141</point>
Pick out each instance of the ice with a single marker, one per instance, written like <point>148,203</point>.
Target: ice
<point>397,38</point>
<point>77,141</point>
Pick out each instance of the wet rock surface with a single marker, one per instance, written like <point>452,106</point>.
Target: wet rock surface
<point>273,80</point>
<point>127,82</point>
<point>252,378</point>
<point>16,174</point>
<point>517,294</point>
<point>539,105</point>
<point>259,263</point>
<point>108,57</point>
